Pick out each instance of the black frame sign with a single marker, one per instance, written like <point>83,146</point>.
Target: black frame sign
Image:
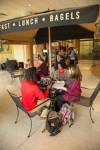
<point>58,18</point>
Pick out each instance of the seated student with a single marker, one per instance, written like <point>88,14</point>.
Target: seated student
<point>42,69</point>
<point>71,93</point>
<point>72,70</point>
<point>67,71</point>
<point>72,84</point>
<point>27,64</point>
<point>62,73</point>
<point>30,91</point>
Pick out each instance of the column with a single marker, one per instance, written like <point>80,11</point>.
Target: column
<point>28,52</point>
<point>77,46</point>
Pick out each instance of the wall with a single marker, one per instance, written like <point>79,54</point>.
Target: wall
<point>37,49</point>
<point>86,49</point>
<point>6,53</point>
<point>18,52</point>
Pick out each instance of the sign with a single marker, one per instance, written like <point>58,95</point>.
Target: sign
<point>57,18</point>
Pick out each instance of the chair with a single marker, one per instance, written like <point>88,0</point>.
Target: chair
<point>88,101</point>
<point>11,65</point>
<point>21,65</point>
<point>16,100</point>
<point>17,74</point>
<point>12,68</point>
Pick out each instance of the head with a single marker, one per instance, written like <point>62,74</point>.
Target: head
<point>61,52</point>
<point>30,74</point>
<point>28,60</point>
<point>63,64</point>
<point>67,61</point>
<point>71,49</point>
<point>40,61</point>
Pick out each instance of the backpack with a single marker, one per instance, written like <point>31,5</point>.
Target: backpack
<point>73,90</point>
<point>45,81</point>
<point>66,114</point>
<point>53,123</point>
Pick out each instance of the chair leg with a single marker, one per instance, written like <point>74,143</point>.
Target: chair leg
<point>44,129</point>
<point>30,128</point>
<point>91,108</point>
<point>17,115</point>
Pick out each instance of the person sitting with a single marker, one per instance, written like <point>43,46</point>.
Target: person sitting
<point>70,93</point>
<point>62,73</point>
<point>42,69</point>
<point>30,91</point>
<point>67,71</point>
<point>72,70</point>
<point>72,77</point>
<point>27,64</point>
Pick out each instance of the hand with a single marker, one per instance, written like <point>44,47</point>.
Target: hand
<point>49,86</point>
<point>63,88</point>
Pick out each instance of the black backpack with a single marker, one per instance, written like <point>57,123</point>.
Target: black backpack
<point>53,123</point>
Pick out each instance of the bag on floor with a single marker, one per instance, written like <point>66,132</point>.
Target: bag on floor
<point>67,114</point>
<point>53,123</point>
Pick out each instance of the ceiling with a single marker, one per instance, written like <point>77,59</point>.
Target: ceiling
<point>19,8</point>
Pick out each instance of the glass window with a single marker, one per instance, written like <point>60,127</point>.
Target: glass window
<point>96,51</point>
<point>86,49</point>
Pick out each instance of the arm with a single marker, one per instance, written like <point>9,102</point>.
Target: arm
<point>79,74</point>
<point>39,94</point>
<point>76,73</point>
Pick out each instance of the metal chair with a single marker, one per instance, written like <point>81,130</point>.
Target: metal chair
<point>16,100</point>
<point>16,74</point>
<point>88,101</point>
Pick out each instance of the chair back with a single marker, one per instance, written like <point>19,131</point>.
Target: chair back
<point>11,65</point>
<point>17,101</point>
<point>94,94</point>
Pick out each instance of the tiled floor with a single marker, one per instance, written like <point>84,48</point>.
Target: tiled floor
<point>83,135</point>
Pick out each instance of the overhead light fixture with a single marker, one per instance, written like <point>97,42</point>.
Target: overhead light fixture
<point>3,15</point>
<point>29,4</point>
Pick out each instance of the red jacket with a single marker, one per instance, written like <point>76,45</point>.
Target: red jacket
<point>30,92</point>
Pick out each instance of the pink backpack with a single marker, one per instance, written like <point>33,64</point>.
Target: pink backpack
<point>73,90</point>
<point>66,114</point>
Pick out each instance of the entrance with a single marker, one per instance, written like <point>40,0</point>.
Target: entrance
<point>86,49</point>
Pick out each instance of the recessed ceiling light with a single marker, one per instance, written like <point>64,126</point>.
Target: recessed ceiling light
<point>3,14</point>
<point>29,5</point>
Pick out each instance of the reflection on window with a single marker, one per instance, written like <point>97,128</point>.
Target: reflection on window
<point>86,49</point>
<point>96,52</point>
